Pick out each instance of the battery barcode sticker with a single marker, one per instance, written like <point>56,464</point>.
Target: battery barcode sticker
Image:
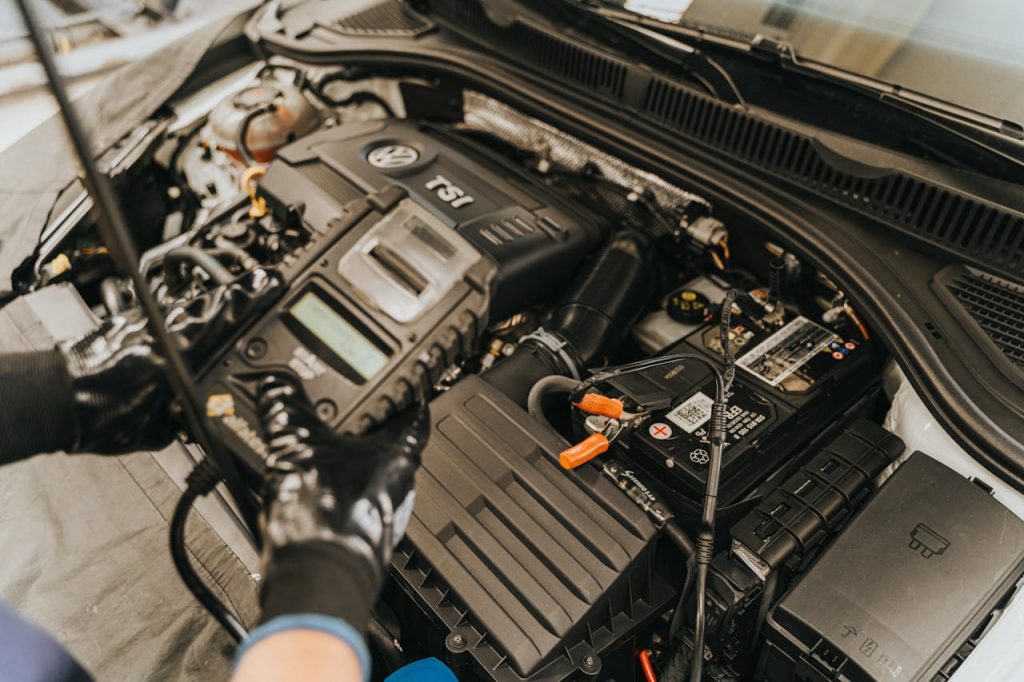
<point>692,413</point>
<point>786,351</point>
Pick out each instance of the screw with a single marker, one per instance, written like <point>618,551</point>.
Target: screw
<point>256,349</point>
<point>326,410</point>
<point>589,664</point>
<point>458,640</point>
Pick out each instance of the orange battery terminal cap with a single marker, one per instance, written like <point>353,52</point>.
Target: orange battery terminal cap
<point>584,451</point>
<point>594,403</point>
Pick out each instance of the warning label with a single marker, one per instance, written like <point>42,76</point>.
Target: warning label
<point>787,350</point>
<point>692,413</point>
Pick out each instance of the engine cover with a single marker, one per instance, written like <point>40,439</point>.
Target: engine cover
<point>522,570</point>
<point>535,238</point>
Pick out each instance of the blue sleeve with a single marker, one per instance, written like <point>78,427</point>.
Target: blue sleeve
<point>29,654</point>
<point>426,670</point>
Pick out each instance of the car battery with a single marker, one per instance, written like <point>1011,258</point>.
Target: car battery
<point>797,383</point>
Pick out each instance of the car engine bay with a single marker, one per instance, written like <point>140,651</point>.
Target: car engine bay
<point>583,331</point>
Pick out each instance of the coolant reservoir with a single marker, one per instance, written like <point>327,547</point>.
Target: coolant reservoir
<point>272,113</point>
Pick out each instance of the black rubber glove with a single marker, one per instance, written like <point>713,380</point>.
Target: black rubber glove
<point>121,397</point>
<point>336,506</point>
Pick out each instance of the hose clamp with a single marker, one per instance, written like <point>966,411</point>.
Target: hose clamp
<point>556,345</point>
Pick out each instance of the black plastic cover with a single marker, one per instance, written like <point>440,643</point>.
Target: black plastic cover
<point>903,586</point>
<point>535,568</point>
<point>536,239</point>
<point>816,500</point>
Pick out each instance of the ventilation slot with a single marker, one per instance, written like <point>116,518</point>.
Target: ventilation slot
<point>995,304</point>
<point>577,63</point>
<point>329,182</point>
<point>388,18</point>
<point>957,223</point>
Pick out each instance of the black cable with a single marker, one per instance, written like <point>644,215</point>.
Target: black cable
<point>641,365</point>
<point>241,142</point>
<point>198,257</point>
<point>724,327</point>
<point>685,544</point>
<point>113,229</point>
<point>200,481</point>
<point>771,585</point>
<point>384,642</point>
<point>706,537</point>
<point>319,89</point>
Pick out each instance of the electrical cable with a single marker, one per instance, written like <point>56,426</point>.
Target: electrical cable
<point>647,666</point>
<point>204,259</point>
<point>704,550</point>
<point>551,384</point>
<point>384,643</point>
<point>201,481</point>
<point>679,537</point>
<point>706,537</point>
<point>114,231</point>
<point>319,89</point>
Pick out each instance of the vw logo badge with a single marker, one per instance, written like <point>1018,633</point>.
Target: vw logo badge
<point>392,156</point>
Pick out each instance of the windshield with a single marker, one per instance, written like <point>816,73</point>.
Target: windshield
<point>966,52</point>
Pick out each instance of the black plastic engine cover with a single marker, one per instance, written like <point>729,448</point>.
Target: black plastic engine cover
<point>536,239</point>
<point>540,571</point>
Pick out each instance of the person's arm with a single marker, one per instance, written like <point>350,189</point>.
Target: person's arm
<point>36,404</point>
<point>336,506</point>
<point>105,392</point>
<point>308,655</point>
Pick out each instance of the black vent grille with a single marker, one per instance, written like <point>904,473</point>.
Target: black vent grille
<point>332,184</point>
<point>387,18</point>
<point>577,63</point>
<point>544,50</point>
<point>995,304</point>
<point>961,224</point>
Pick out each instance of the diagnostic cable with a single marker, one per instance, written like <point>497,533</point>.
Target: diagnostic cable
<point>113,229</point>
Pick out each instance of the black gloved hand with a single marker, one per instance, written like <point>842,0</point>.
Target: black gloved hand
<point>121,397</point>
<point>336,506</point>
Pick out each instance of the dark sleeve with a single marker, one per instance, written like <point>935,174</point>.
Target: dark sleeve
<point>36,404</point>
<point>30,654</point>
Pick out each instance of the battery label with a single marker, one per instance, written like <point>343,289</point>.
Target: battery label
<point>692,413</point>
<point>787,350</point>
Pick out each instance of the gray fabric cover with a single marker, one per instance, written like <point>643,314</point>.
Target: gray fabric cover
<point>86,557</point>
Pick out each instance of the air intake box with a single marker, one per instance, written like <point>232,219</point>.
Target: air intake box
<point>904,585</point>
<point>518,569</point>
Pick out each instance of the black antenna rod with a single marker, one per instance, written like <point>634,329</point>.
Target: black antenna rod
<point>114,231</point>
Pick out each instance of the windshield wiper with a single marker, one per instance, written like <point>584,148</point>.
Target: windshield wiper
<point>997,137</point>
<point>695,62</point>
